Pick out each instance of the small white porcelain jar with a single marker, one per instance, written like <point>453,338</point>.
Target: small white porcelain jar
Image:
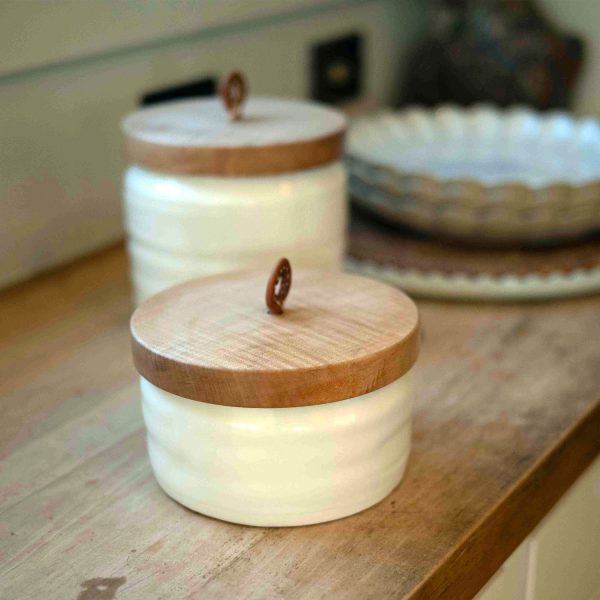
<point>210,192</point>
<point>277,419</point>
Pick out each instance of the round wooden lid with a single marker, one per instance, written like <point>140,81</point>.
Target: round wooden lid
<point>222,137</point>
<point>214,340</point>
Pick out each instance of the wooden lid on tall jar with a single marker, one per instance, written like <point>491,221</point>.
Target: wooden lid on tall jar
<point>233,135</point>
<point>213,340</point>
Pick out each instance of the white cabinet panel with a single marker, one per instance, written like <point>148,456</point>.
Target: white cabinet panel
<point>560,560</point>
<point>565,548</point>
<point>509,583</point>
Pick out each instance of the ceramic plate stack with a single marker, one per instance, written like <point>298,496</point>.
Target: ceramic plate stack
<point>480,176</point>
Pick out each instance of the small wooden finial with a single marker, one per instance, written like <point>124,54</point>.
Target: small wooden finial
<point>233,90</point>
<point>278,286</point>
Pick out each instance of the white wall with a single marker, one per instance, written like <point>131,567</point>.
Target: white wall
<point>39,33</point>
<point>581,17</point>
<point>62,99</point>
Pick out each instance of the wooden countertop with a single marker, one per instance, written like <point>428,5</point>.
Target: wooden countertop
<point>507,416</point>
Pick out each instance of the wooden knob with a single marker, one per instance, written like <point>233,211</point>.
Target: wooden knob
<point>278,286</point>
<point>233,90</point>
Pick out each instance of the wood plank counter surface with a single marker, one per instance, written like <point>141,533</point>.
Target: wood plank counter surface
<point>506,417</point>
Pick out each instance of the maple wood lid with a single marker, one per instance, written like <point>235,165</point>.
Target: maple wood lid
<point>213,339</point>
<point>233,137</point>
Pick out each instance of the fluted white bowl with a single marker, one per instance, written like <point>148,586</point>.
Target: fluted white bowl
<point>480,173</point>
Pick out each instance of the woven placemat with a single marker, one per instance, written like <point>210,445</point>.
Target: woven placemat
<point>435,268</point>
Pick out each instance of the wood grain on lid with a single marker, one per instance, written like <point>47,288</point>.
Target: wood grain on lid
<point>213,340</point>
<point>198,137</point>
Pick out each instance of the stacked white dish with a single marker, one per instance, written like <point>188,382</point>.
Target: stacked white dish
<point>479,174</point>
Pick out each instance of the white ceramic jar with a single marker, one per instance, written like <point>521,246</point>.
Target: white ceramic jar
<point>279,420</point>
<point>184,226</point>
<point>279,466</point>
<point>206,194</point>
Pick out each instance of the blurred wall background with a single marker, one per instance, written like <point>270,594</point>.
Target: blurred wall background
<point>69,71</point>
<point>581,17</point>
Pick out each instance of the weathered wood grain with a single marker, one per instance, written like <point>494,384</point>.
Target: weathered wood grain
<point>506,418</point>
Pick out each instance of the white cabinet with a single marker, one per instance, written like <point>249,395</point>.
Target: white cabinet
<point>560,560</point>
<point>510,580</point>
<point>565,548</point>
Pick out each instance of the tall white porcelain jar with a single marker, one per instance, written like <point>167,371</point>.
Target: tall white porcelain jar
<point>211,191</point>
<point>277,419</point>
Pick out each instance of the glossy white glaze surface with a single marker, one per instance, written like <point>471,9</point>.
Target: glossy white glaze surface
<point>180,227</point>
<point>280,466</point>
